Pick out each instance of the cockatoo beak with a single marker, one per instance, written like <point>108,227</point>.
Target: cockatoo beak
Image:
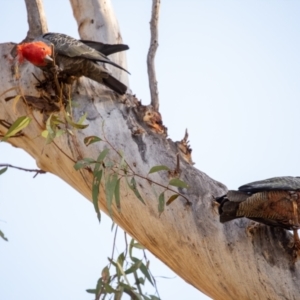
<point>48,59</point>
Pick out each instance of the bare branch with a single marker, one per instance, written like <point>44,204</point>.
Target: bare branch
<point>36,171</point>
<point>151,54</point>
<point>36,19</point>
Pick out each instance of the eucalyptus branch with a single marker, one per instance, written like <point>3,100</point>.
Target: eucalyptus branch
<point>151,54</point>
<point>37,171</point>
<point>36,19</point>
<point>143,177</point>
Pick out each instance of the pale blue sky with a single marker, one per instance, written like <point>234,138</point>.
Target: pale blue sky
<point>227,70</point>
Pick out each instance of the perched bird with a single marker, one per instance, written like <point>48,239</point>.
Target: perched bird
<point>74,58</point>
<point>274,202</point>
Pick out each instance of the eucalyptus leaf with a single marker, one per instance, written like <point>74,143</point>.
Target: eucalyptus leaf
<point>177,182</point>
<point>132,186</point>
<point>16,127</point>
<point>158,168</point>
<point>3,236</point>
<point>145,271</point>
<point>91,139</point>
<point>172,198</point>
<point>161,202</point>
<point>134,267</point>
<point>95,192</point>
<point>117,195</point>
<point>3,170</point>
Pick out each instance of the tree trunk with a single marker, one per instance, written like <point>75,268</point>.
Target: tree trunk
<point>223,261</point>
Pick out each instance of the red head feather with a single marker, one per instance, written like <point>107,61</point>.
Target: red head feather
<point>38,53</point>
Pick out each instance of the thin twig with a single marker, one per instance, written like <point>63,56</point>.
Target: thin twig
<point>154,281</point>
<point>37,171</point>
<point>126,244</point>
<point>188,202</point>
<point>114,245</point>
<point>151,54</point>
<point>137,282</point>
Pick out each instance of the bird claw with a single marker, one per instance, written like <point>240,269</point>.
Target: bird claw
<point>295,246</point>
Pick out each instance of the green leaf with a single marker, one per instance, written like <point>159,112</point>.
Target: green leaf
<point>99,285</point>
<point>161,202</point>
<point>117,195</point>
<point>91,139</point>
<point>134,267</point>
<point>82,118</point>
<point>119,294</point>
<point>135,259</point>
<point>105,274</point>
<point>51,128</point>
<point>109,164</point>
<point>145,271</point>
<point>60,132</point>
<point>75,125</point>
<point>158,168</point>
<point>121,259</point>
<point>140,280</point>
<point>3,170</point>
<point>95,192</point>
<point>132,186</point>
<point>179,183</point>
<point>122,165</point>
<point>16,127</point>
<point>130,247</point>
<point>102,155</point>
<point>172,198</point>
<point>109,289</point>
<point>129,290</point>
<point>83,163</point>
<point>138,246</point>
<point>120,269</point>
<point>91,291</point>
<point>110,186</point>
<point>113,263</point>
<point>98,165</point>
<point>44,134</point>
<point>154,297</point>
<point>120,262</point>
<point>3,236</point>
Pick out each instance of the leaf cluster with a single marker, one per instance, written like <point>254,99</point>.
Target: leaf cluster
<point>115,277</point>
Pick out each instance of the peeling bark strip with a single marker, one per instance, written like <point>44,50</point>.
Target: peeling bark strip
<point>220,260</point>
<point>151,54</point>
